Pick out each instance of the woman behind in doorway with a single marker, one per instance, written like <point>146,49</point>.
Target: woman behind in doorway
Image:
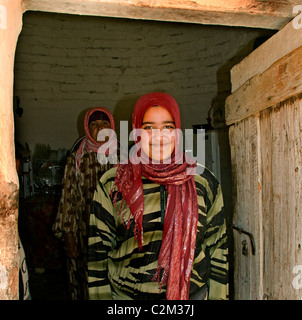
<point>157,229</point>
<point>83,170</point>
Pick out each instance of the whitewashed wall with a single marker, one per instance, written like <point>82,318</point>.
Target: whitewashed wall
<point>65,64</point>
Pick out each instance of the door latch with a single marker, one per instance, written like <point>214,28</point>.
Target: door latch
<point>240,230</point>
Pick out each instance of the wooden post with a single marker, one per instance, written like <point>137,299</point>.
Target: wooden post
<point>10,27</point>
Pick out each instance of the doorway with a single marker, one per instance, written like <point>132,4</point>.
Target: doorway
<point>91,61</point>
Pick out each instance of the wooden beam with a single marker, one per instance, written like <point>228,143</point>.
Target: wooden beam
<point>285,41</point>
<point>278,83</point>
<point>244,13</point>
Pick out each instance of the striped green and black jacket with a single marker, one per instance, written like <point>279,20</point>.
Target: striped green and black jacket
<point>118,270</point>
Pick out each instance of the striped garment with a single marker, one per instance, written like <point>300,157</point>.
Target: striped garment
<point>73,215</point>
<point>118,270</point>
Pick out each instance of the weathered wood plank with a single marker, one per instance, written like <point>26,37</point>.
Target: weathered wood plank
<point>281,81</point>
<point>246,168</point>
<point>282,197</point>
<point>267,163</point>
<point>285,41</point>
<point>255,14</point>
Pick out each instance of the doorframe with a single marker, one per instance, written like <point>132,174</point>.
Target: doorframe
<point>11,14</point>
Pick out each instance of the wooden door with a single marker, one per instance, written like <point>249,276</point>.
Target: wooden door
<point>265,114</point>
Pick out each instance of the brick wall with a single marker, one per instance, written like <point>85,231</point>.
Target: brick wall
<point>65,64</point>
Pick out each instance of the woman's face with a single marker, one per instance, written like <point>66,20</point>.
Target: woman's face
<point>158,136</point>
<point>97,125</point>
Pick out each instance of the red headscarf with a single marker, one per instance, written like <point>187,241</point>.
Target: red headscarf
<point>181,215</point>
<point>88,143</point>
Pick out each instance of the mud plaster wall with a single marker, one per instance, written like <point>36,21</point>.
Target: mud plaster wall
<point>67,63</point>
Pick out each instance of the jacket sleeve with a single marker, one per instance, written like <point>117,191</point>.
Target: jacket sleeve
<point>101,240</point>
<point>216,242</point>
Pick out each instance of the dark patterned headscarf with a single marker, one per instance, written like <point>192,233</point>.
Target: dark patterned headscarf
<point>88,143</point>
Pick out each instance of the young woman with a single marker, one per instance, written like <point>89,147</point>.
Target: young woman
<point>157,227</point>
<point>82,173</point>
